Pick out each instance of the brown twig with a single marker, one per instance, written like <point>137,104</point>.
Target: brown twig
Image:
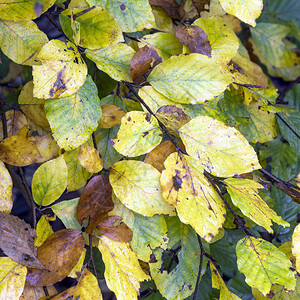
<point>3,117</point>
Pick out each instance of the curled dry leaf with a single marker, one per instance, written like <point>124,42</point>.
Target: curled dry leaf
<point>111,116</point>
<point>16,150</point>
<point>90,159</point>
<point>95,202</point>
<point>142,63</point>
<point>114,229</point>
<point>17,241</point>
<point>59,254</point>
<point>195,38</point>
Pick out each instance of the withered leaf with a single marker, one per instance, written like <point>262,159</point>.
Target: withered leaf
<point>142,63</point>
<point>16,150</point>
<point>59,254</point>
<point>170,6</point>
<point>95,202</point>
<point>17,241</point>
<point>111,116</point>
<point>114,229</point>
<point>194,38</point>
<point>289,190</point>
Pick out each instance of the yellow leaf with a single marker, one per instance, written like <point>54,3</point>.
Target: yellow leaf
<point>61,71</point>
<point>43,231</point>
<point>136,185</point>
<point>139,134</point>
<point>247,11</point>
<point>223,41</point>
<point>33,107</point>
<point>197,203</point>
<point>12,279</point>
<point>296,246</point>
<point>90,159</point>
<point>162,21</point>
<point>218,283</point>
<point>6,185</point>
<point>49,181</point>
<point>75,273</point>
<point>244,195</point>
<point>222,150</point>
<point>123,273</point>
<point>189,79</point>
<point>111,116</point>
<point>114,60</point>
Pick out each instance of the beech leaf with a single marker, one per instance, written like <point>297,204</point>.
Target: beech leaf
<point>90,159</point>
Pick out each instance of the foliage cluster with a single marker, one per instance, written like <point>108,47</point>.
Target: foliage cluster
<point>163,117</point>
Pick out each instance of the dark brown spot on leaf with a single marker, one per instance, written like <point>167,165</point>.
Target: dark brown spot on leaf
<point>122,6</point>
<point>177,181</point>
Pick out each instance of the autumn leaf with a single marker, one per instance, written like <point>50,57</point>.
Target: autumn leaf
<point>90,159</point>
<point>6,186</point>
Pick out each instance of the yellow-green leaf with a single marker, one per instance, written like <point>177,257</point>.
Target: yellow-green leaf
<point>123,273</point>
<point>296,246</point>
<point>166,44</point>
<point>43,231</point>
<point>60,71</point>
<point>114,60</point>
<point>244,195</point>
<point>246,10</point>
<point>218,283</point>
<point>12,279</point>
<point>82,110</point>
<point>222,150</point>
<point>21,41</point>
<point>6,185</point>
<point>136,185</point>
<point>49,181</point>
<point>131,15</point>
<point>139,134</point>
<point>97,28</point>
<point>184,186</point>
<point>189,79</point>
<point>17,10</point>
<point>224,43</point>
<point>263,264</point>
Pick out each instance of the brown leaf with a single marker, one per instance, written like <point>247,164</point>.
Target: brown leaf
<point>289,190</point>
<point>16,150</point>
<point>17,241</point>
<point>142,63</point>
<point>194,38</point>
<point>173,117</point>
<point>112,228</point>
<point>95,202</point>
<point>36,293</point>
<point>170,6</point>
<point>59,254</point>
<point>111,116</point>
<point>159,154</point>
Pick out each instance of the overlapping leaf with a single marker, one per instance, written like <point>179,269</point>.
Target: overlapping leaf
<point>189,79</point>
<point>6,185</point>
<point>222,150</point>
<point>43,231</point>
<point>90,159</point>
<point>296,246</point>
<point>136,185</point>
<point>263,264</point>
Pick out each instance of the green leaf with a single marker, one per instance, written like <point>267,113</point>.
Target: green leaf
<point>222,150</point>
<point>263,264</point>
<point>244,195</point>
<point>166,44</point>
<point>77,175</point>
<point>247,11</point>
<point>136,185</point>
<point>184,186</point>
<point>189,79</point>
<point>139,134</point>
<point>270,45</point>
<point>114,60</point>
<point>60,72</point>
<point>224,43</point>
<point>180,282</point>
<point>148,232</point>
<point>66,211</point>
<point>82,110</point>
<point>130,14</point>
<point>21,41</point>
<point>97,28</point>
<point>49,181</point>
<point>16,10</point>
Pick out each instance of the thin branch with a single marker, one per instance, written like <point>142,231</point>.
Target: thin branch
<point>162,126</point>
<point>287,125</point>
<point>3,117</point>
<point>200,266</point>
<point>83,12</point>
<point>46,291</point>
